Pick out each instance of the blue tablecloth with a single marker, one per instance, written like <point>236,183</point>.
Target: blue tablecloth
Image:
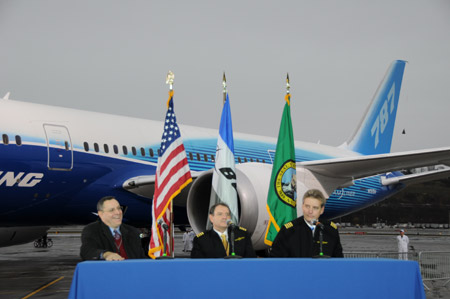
<point>248,278</point>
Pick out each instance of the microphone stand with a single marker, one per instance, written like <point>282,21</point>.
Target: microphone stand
<point>232,255</point>
<point>320,255</point>
<point>164,256</point>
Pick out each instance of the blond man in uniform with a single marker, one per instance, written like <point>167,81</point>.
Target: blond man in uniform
<point>300,237</point>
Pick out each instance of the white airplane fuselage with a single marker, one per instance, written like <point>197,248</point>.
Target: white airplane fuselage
<point>56,163</point>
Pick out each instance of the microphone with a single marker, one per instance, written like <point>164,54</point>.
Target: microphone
<point>230,223</point>
<point>163,224</point>
<point>317,223</point>
<point>231,229</point>
<point>321,226</point>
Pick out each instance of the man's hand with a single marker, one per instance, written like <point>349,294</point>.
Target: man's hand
<point>111,256</point>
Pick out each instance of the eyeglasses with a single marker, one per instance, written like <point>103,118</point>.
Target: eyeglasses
<point>113,209</point>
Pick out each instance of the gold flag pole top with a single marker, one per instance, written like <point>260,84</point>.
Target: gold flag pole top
<point>169,79</point>
<point>224,82</point>
<point>288,88</point>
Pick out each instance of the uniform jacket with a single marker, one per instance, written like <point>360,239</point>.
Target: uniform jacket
<point>209,245</point>
<point>97,238</point>
<point>295,239</point>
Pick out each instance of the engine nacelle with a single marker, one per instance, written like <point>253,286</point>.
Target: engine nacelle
<point>252,187</point>
<point>20,235</point>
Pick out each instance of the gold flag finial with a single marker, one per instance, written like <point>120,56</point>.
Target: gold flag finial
<point>169,79</point>
<point>288,86</point>
<point>287,97</point>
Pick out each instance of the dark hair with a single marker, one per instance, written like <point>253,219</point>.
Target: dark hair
<point>213,208</point>
<point>102,200</point>
<point>317,194</point>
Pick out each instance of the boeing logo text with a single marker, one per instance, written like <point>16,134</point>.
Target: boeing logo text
<point>9,179</point>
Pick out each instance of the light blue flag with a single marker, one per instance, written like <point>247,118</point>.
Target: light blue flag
<point>224,175</point>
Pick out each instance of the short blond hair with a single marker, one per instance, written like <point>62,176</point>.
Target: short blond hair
<point>317,194</point>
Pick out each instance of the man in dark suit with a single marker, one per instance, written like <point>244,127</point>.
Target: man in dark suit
<point>108,238</point>
<point>301,237</point>
<point>216,243</point>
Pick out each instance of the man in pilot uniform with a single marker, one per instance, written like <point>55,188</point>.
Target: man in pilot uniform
<point>216,243</point>
<point>300,237</point>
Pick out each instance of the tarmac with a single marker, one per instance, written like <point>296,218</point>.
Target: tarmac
<point>29,272</point>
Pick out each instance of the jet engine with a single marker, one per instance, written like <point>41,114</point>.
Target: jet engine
<point>252,187</point>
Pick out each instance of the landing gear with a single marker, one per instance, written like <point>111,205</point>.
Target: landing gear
<point>43,242</point>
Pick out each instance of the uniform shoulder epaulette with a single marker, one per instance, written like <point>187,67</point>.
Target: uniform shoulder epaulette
<point>242,228</point>
<point>200,234</point>
<point>288,225</point>
<point>333,225</point>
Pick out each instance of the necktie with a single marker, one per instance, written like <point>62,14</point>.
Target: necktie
<point>119,245</point>
<point>225,244</point>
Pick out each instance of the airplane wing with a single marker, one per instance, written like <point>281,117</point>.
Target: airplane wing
<point>346,169</point>
<point>363,166</point>
<point>417,177</point>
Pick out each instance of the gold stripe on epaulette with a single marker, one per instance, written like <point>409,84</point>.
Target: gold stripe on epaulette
<point>238,239</point>
<point>324,242</point>
<point>333,225</point>
<point>288,225</point>
<point>242,228</point>
<point>200,234</point>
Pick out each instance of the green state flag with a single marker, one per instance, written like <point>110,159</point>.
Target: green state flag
<point>282,197</point>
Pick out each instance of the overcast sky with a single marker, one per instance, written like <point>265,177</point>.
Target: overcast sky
<point>113,56</point>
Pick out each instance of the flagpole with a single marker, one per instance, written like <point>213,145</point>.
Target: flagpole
<point>282,207</point>
<point>169,80</point>
<point>288,89</point>
<point>172,235</point>
<point>224,83</point>
<point>172,153</point>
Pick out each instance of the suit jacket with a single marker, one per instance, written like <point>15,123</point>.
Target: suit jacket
<point>209,245</point>
<point>295,239</point>
<point>97,238</point>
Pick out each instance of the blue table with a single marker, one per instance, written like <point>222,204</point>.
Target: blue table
<point>248,278</point>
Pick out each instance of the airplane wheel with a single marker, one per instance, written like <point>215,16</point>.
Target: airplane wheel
<point>49,243</point>
<point>36,244</point>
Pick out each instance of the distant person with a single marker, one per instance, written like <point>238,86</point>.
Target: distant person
<point>216,243</point>
<point>185,235</point>
<point>402,242</point>
<point>108,238</point>
<point>190,240</point>
<point>300,237</point>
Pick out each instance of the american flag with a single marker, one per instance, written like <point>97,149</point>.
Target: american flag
<point>172,175</point>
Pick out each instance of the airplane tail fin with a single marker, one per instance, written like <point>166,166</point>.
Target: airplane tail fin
<point>375,131</point>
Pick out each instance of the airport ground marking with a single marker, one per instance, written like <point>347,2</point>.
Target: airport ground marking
<point>43,287</point>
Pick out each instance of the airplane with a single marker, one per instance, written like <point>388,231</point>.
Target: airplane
<point>56,163</point>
